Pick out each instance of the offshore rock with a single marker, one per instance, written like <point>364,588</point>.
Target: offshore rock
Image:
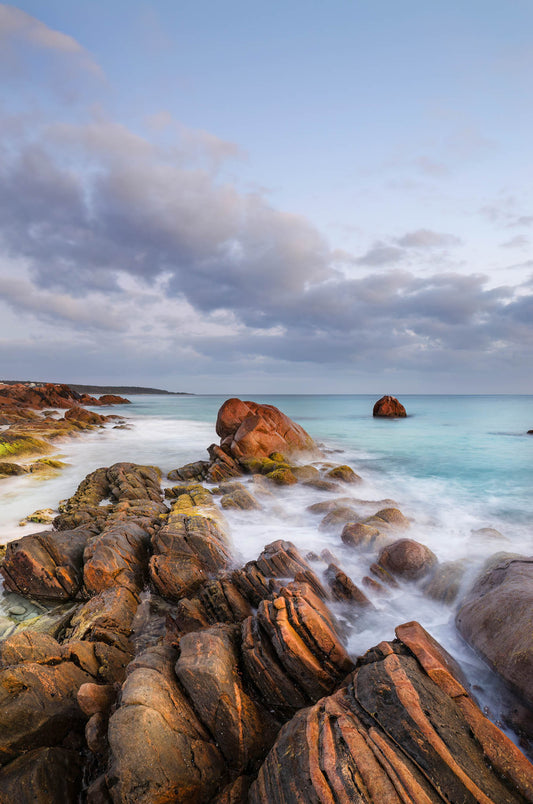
<point>402,729</point>
<point>250,430</point>
<point>160,751</point>
<point>496,618</point>
<point>389,407</point>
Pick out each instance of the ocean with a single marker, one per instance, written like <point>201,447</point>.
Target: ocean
<point>455,465</point>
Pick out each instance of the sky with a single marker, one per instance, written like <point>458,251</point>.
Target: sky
<point>230,196</point>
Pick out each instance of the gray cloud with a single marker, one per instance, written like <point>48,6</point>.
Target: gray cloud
<point>426,239</point>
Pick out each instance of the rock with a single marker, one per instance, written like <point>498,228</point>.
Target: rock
<point>389,516</point>
<point>402,728</point>
<point>11,469</point>
<point>250,430</point>
<point>113,399</point>
<point>93,698</point>
<point>305,473</point>
<point>530,432</point>
<point>344,589</point>
<point>45,516</point>
<point>46,565</point>
<point>407,559</point>
<point>208,670</point>
<point>357,534</point>
<point>322,485</point>
<point>238,497</point>
<point>496,618</point>
<point>292,652</point>
<point>49,775</point>
<point>282,477</point>
<point>389,407</point>
<point>488,533</point>
<point>107,617</point>
<point>174,757</point>
<point>343,473</point>
<point>191,471</point>
<point>78,414</point>
<point>445,583</point>
<point>50,395</point>
<point>116,557</point>
<point>337,517</point>
<point>12,443</point>
<point>38,703</point>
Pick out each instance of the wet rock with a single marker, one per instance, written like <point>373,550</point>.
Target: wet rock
<point>174,756</point>
<point>305,473</point>
<point>44,516</point>
<point>389,516</point>
<point>357,534</point>
<point>238,497</point>
<point>407,559</point>
<point>402,729</point>
<point>49,775</point>
<point>282,477</point>
<point>337,517</point>
<point>326,506</point>
<point>488,533</point>
<point>344,474</point>
<point>322,485</point>
<point>191,471</point>
<point>93,698</point>
<point>107,617</point>
<point>15,443</point>
<point>496,618</point>
<point>388,406</point>
<point>445,583</point>
<point>344,589</point>
<point>78,414</point>
<point>113,399</point>
<point>46,565</point>
<point>251,430</point>
<point>11,469</point>
<point>208,670</point>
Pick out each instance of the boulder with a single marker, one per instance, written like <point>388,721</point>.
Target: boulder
<point>343,473</point>
<point>389,407</point>
<point>344,589</point>
<point>49,775</point>
<point>116,557</point>
<point>251,430</point>
<point>496,619</point>
<point>46,565</point>
<point>113,399</point>
<point>407,559</point>
<point>208,671</point>
<point>78,414</point>
<point>401,729</point>
<point>160,751</point>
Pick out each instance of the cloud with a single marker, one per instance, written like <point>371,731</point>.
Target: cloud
<point>519,241</point>
<point>17,25</point>
<point>381,254</point>
<point>426,239</point>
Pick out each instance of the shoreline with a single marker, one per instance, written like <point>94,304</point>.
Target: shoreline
<point>183,492</point>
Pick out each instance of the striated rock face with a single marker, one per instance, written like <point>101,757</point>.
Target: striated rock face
<point>403,729</point>
<point>496,618</point>
<point>160,751</point>
<point>46,565</point>
<point>250,430</point>
<point>389,407</point>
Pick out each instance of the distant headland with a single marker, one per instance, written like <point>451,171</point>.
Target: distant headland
<point>104,389</point>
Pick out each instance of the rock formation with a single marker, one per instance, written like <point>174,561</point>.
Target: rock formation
<point>389,407</point>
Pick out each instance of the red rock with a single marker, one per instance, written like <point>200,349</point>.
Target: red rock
<point>51,395</point>
<point>113,399</point>
<point>251,430</point>
<point>388,406</point>
<point>401,729</point>
<point>408,559</point>
<point>42,776</point>
<point>116,557</point>
<point>78,414</point>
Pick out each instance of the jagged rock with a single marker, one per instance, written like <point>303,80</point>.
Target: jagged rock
<point>223,466</point>
<point>159,749</point>
<point>292,652</point>
<point>344,589</point>
<point>106,617</point>
<point>116,557</point>
<point>407,559</point>
<point>388,406</point>
<point>186,550</point>
<point>208,670</point>
<point>250,430</point>
<point>46,565</point>
<point>49,775</point>
<point>496,618</point>
<point>403,729</point>
<point>191,471</point>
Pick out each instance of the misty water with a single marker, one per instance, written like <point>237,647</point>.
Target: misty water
<point>455,465</point>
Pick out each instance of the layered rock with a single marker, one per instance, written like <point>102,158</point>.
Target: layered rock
<point>389,407</point>
<point>403,728</point>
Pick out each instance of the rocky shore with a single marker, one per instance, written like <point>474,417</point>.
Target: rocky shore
<point>162,671</point>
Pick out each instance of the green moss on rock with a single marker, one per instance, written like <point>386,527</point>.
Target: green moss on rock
<point>18,444</point>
